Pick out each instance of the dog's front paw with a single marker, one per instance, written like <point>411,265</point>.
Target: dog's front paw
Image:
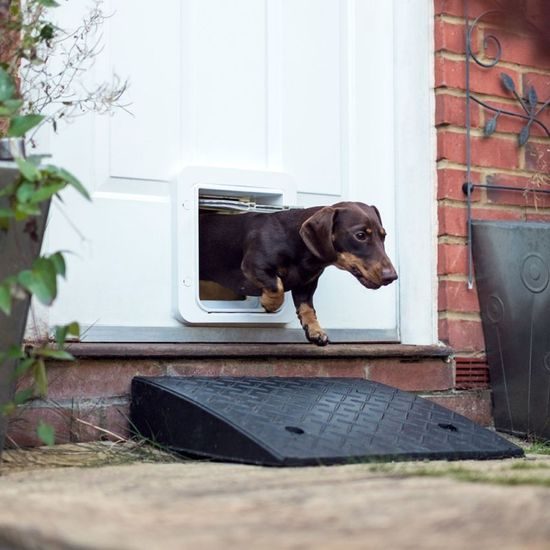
<point>316,336</point>
<point>272,300</point>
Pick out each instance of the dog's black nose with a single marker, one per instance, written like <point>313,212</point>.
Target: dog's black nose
<point>388,275</point>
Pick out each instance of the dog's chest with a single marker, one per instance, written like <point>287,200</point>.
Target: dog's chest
<point>296,276</point>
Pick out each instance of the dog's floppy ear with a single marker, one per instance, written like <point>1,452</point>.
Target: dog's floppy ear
<point>316,232</point>
<point>377,213</point>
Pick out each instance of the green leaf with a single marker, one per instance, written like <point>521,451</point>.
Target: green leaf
<point>62,331</point>
<point>23,211</point>
<point>59,354</point>
<point>7,87</point>
<point>70,179</point>
<point>40,377</point>
<point>8,189</point>
<point>47,32</point>
<point>23,396</point>
<point>25,192</point>
<point>15,352</point>
<point>46,433</point>
<point>40,281</point>
<point>8,408</point>
<point>59,264</point>
<point>24,365</point>
<point>46,192</point>
<point>28,169</point>
<point>48,3</point>
<point>20,125</point>
<point>5,299</point>
<point>6,213</point>
<point>10,106</point>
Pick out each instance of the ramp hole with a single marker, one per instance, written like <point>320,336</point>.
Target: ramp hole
<point>294,430</point>
<point>450,427</point>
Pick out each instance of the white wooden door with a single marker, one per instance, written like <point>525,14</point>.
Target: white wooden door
<point>306,87</point>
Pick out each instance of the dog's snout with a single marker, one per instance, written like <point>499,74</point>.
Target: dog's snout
<point>388,275</point>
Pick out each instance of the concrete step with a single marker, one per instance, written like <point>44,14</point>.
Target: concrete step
<point>89,399</point>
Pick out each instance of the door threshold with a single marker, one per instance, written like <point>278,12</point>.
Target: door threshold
<point>112,349</point>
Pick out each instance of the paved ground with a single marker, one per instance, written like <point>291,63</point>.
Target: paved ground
<point>172,505</point>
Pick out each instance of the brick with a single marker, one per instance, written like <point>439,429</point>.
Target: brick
<point>452,259</point>
<point>541,83</point>
<point>462,335</point>
<point>426,375</point>
<point>451,73</point>
<point>451,146</point>
<point>451,37</point>
<point>541,216</point>
<point>519,49</point>
<point>451,110</point>
<point>96,378</point>
<point>65,421</point>
<point>493,152</point>
<point>496,214</point>
<point>450,182</point>
<point>512,124</point>
<point>475,405</point>
<point>455,296</point>
<point>233,367</point>
<point>334,367</point>
<point>270,367</point>
<point>518,198</point>
<point>453,220</point>
<point>456,7</point>
<point>537,157</point>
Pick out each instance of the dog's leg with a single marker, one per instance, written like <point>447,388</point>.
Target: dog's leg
<point>303,300</point>
<point>273,292</point>
<point>273,297</point>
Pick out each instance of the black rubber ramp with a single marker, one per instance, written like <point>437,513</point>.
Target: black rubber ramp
<point>303,421</point>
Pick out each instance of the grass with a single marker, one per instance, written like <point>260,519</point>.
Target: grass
<point>83,455</point>
<point>532,470</point>
<point>539,448</point>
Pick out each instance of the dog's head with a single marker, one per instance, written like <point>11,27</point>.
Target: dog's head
<point>350,236</point>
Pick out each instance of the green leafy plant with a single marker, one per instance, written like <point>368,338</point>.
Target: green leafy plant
<point>22,200</point>
<point>34,92</point>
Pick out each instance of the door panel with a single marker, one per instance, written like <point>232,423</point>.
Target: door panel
<point>299,86</point>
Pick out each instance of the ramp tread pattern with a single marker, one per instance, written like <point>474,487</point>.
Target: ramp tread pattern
<point>328,420</point>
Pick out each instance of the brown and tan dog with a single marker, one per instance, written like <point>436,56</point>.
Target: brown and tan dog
<point>265,255</point>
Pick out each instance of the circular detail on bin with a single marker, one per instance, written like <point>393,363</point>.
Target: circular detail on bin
<point>495,309</point>
<point>535,273</point>
<point>547,362</point>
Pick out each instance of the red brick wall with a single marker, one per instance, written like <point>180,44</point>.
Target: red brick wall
<point>496,159</point>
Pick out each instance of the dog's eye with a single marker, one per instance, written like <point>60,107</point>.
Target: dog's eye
<point>361,235</point>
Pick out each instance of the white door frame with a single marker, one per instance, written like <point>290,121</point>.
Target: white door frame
<point>415,176</point>
<point>415,139</point>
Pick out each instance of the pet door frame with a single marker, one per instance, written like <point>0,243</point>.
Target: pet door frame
<point>261,191</point>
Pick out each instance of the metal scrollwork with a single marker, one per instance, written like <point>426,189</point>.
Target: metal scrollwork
<point>531,107</point>
<point>530,104</point>
<point>491,38</point>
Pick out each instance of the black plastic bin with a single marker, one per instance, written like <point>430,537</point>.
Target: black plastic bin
<point>512,267</point>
